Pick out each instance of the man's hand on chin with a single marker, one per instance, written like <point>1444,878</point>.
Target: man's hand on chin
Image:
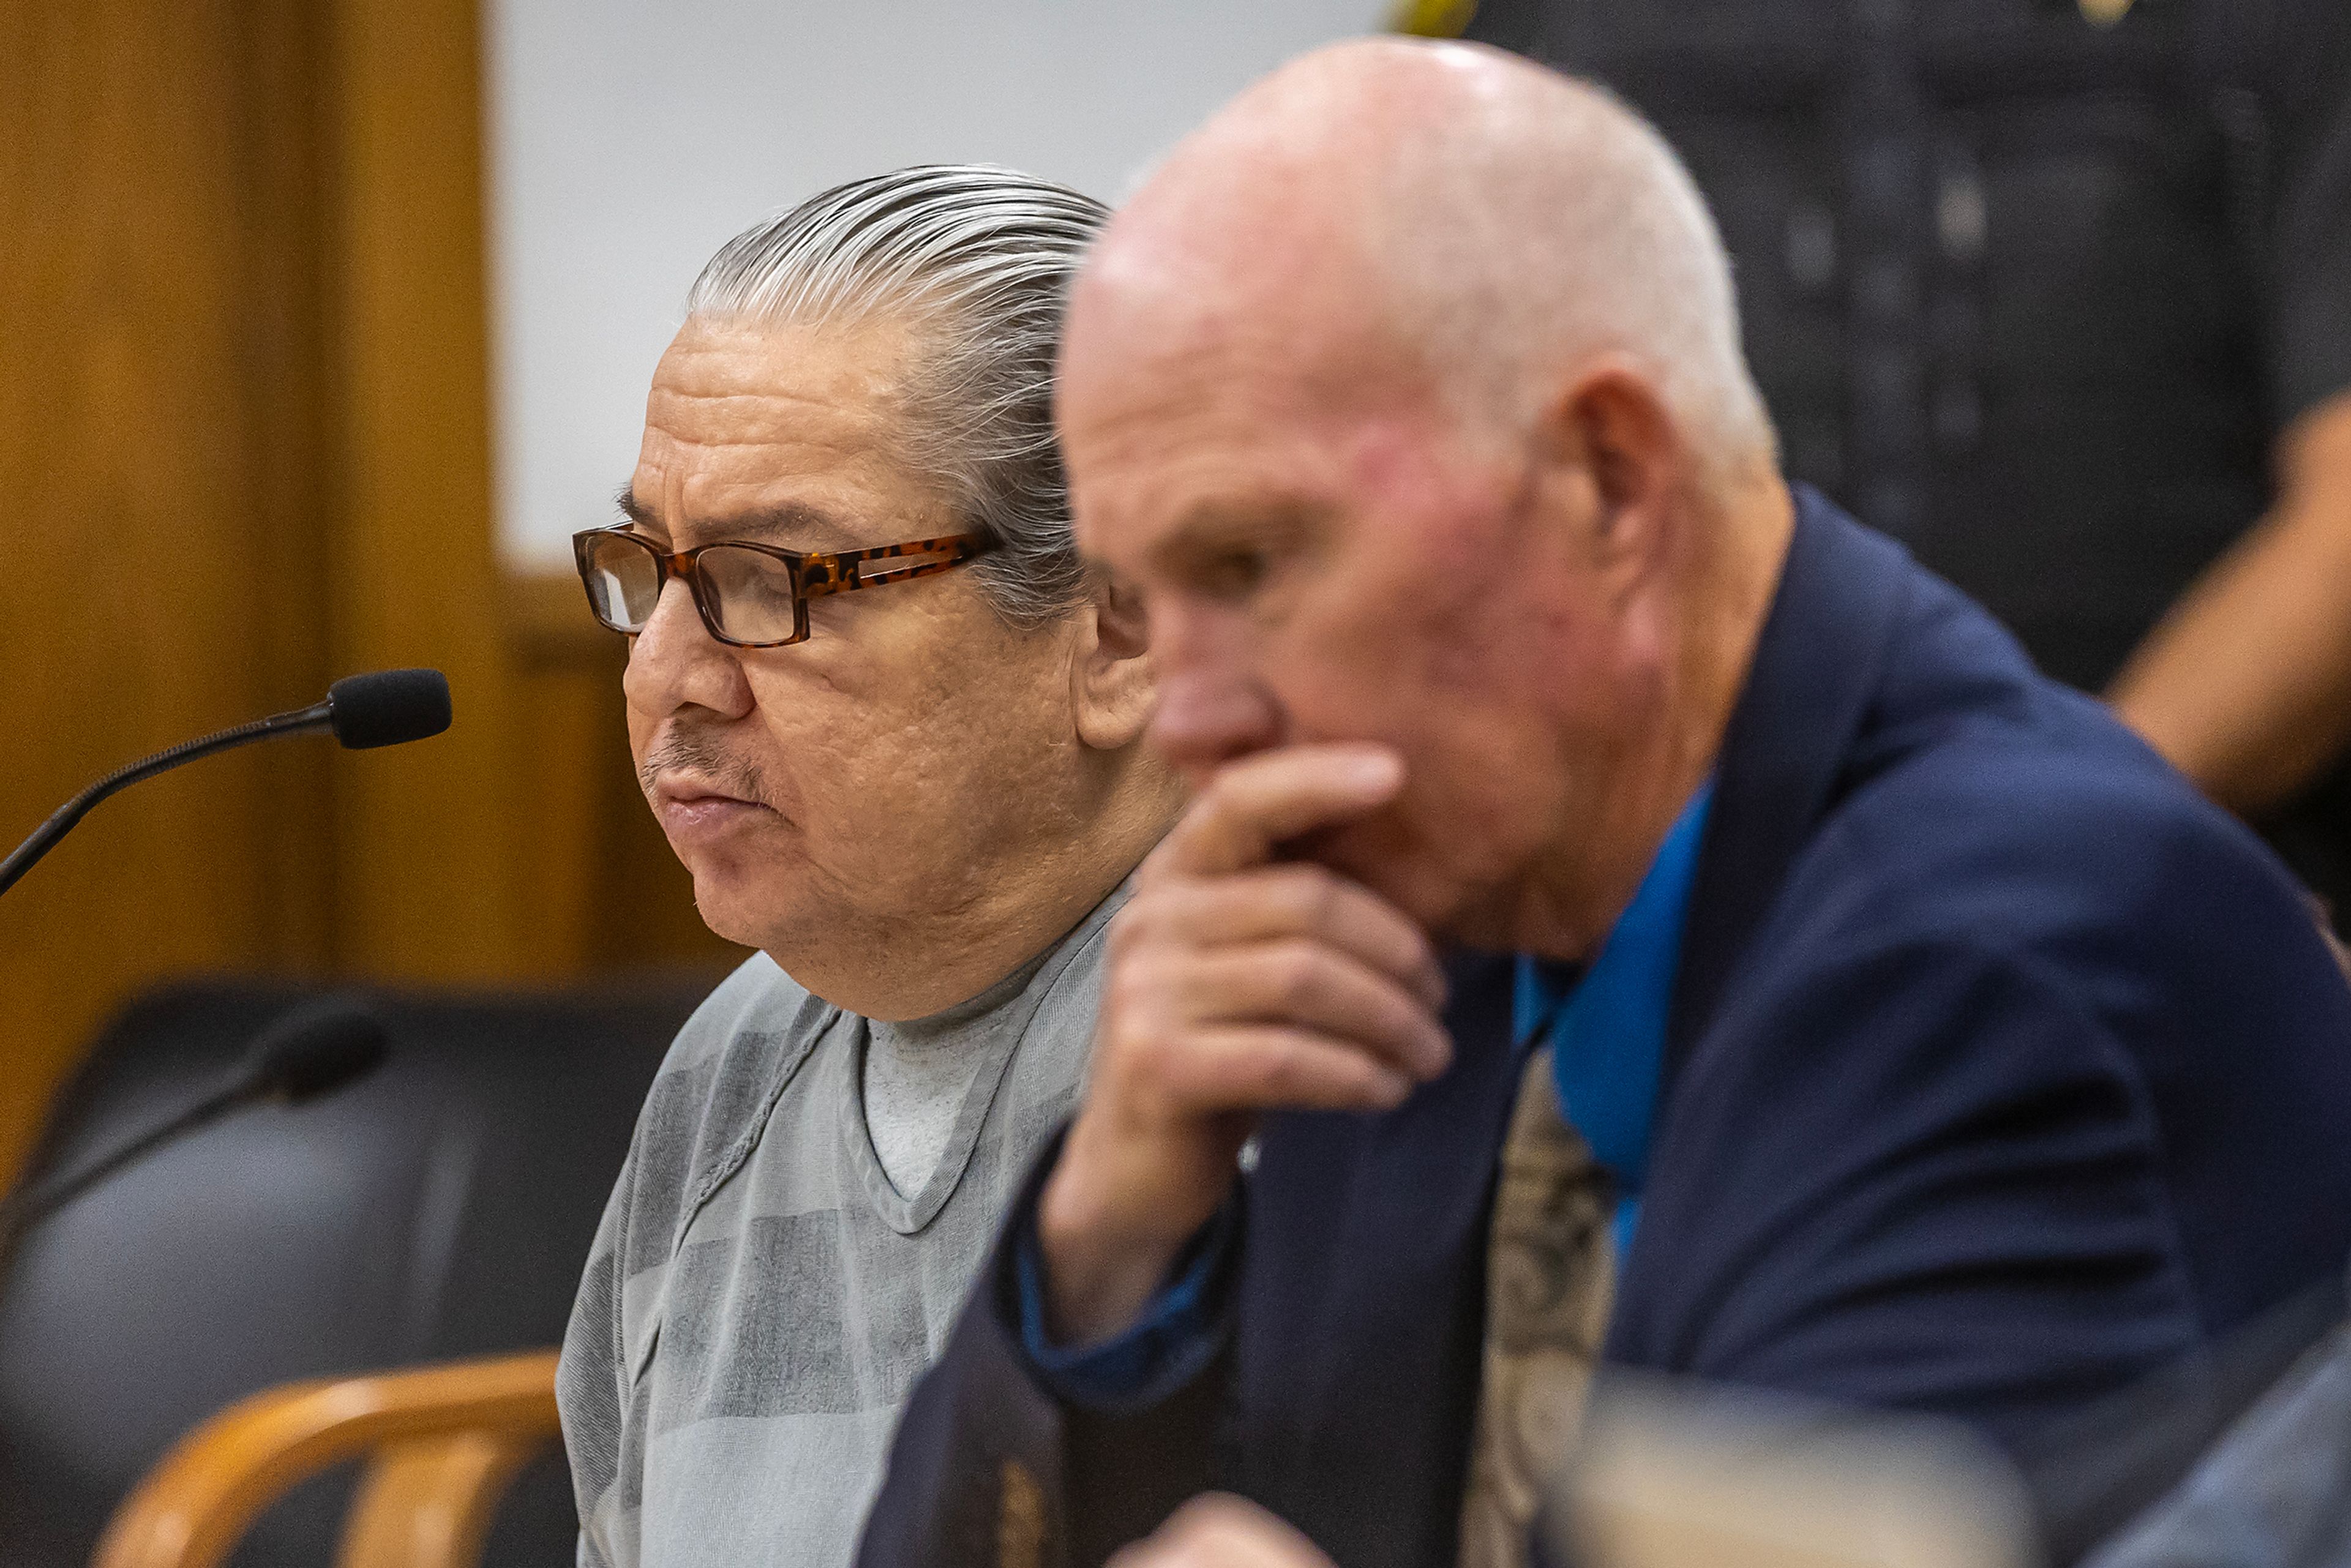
<point>1217,1532</point>
<point>1236,984</point>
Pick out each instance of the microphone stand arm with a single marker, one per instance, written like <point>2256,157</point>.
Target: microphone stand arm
<point>22,1208</point>
<point>45,837</point>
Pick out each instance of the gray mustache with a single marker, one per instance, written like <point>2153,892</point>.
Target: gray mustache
<point>696,754</point>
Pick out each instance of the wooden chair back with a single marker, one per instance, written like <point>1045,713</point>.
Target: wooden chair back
<point>445,1443</point>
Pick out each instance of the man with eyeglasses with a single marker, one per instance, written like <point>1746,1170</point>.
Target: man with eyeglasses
<point>921,804</point>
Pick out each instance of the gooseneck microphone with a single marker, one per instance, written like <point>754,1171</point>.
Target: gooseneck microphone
<point>385,708</point>
<point>313,1049</point>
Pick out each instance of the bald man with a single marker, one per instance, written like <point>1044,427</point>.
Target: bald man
<point>1926,1041</point>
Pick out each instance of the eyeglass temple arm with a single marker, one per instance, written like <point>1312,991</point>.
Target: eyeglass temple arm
<point>847,570</point>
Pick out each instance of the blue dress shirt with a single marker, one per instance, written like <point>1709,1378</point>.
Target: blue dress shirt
<point>1608,1029</point>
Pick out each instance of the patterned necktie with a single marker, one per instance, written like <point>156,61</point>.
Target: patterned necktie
<point>1550,1278</point>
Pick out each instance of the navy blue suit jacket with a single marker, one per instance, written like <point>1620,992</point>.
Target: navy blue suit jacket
<point>2003,1071</point>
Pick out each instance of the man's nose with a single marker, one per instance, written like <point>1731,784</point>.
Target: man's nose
<point>1202,722</point>
<point>675,663</point>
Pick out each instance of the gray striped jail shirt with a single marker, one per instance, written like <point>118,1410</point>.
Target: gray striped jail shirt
<point>760,1299</point>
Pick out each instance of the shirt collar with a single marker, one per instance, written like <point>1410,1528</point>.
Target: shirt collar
<point>1607,1023</point>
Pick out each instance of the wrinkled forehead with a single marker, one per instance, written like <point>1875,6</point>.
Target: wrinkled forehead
<point>744,418</point>
<point>753,377</point>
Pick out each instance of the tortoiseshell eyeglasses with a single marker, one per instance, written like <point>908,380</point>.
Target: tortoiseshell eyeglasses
<point>749,596</point>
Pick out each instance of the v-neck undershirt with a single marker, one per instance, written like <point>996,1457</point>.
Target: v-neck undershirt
<point>917,1073</point>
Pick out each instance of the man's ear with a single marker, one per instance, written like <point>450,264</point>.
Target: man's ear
<point>1612,422</point>
<point>1110,675</point>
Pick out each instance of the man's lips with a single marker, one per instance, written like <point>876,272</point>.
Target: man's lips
<point>690,809</point>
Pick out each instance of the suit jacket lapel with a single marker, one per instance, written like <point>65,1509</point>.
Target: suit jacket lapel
<point>1816,665</point>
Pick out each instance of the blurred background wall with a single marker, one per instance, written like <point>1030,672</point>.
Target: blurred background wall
<point>322,324</point>
<point>629,141</point>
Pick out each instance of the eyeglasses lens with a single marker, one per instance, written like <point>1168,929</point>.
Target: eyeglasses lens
<point>754,593</point>
<point>624,582</point>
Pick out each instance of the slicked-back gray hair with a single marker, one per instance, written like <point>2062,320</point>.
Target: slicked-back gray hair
<point>981,259</point>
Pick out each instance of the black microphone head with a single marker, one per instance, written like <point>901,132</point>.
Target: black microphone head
<point>388,707</point>
<point>317,1047</point>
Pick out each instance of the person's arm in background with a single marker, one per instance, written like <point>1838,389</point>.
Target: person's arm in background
<point>2246,683</point>
<point>2245,686</point>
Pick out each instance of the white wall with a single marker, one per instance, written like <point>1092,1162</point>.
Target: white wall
<point>629,138</point>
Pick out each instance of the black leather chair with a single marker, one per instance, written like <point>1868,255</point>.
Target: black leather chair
<point>440,1207</point>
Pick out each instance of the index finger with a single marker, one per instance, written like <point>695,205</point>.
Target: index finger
<point>1258,802</point>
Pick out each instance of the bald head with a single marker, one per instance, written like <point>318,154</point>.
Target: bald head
<point>1398,213</point>
<point>1407,393</point>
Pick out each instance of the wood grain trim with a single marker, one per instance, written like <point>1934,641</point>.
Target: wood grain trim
<point>427,1502</point>
<point>195,1505</point>
<point>547,625</point>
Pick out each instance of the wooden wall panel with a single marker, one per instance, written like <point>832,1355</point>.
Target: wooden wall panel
<point>244,432</point>
<point>155,317</point>
<point>424,888</point>
<point>282,330</point>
